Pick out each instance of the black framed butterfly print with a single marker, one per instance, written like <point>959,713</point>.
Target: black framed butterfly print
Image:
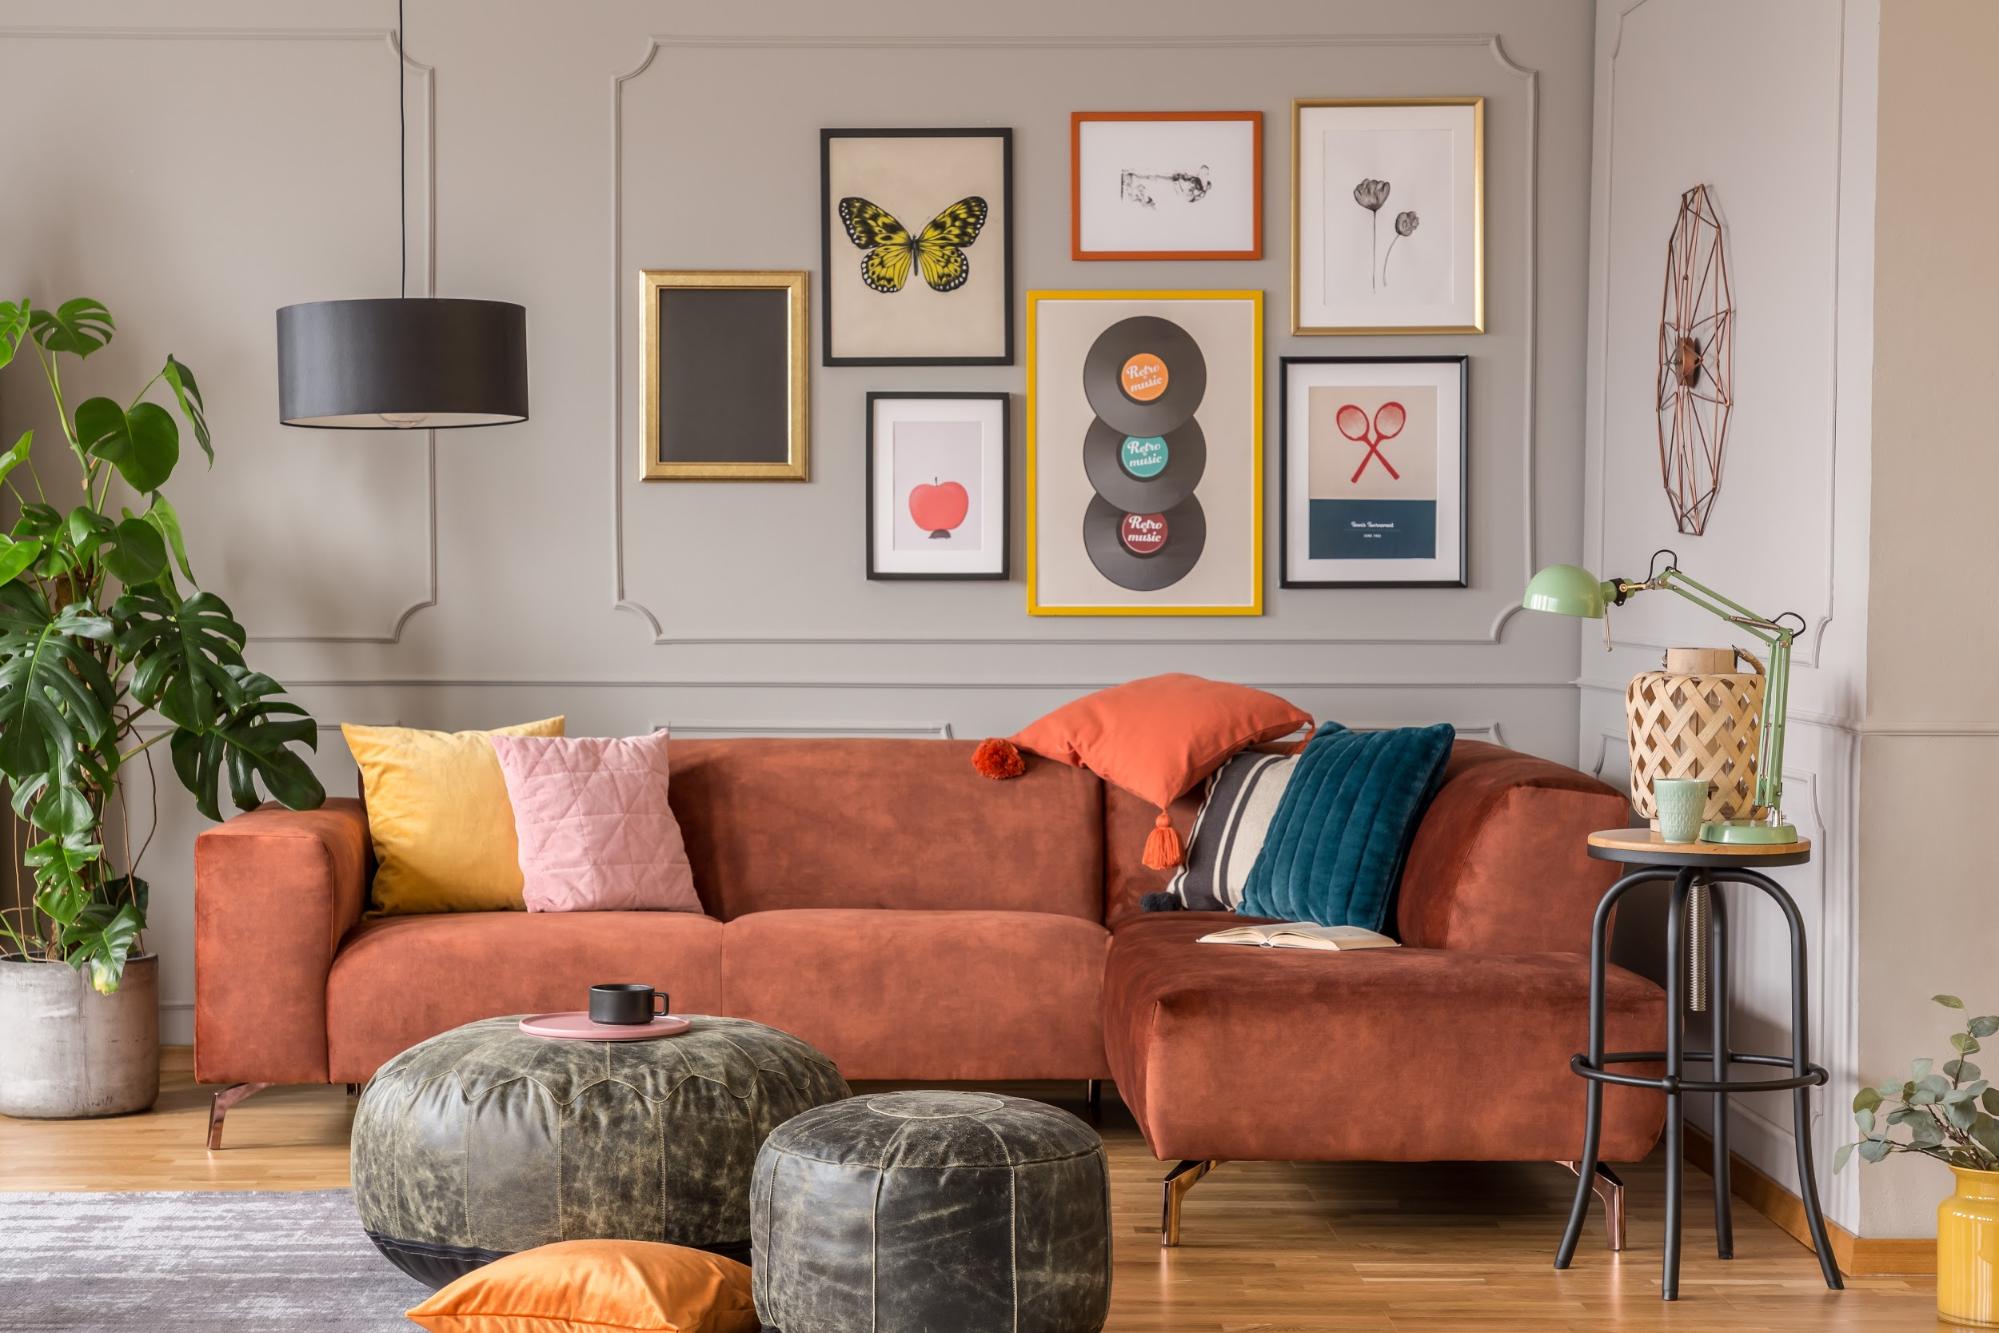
<point>917,238</point>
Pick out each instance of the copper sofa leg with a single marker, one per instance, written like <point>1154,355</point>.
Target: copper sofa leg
<point>1608,1188</point>
<point>1173,1191</point>
<point>219,1108</point>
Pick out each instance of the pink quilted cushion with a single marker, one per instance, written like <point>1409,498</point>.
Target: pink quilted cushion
<point>595,831</point>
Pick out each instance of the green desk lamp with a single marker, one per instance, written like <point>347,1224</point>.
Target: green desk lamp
<point>1571,590</point>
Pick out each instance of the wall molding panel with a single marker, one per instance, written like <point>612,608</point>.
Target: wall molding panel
<point>423,251</point>
<point>622,413</point>
<point>929,731</point>
<point>1810,646</point>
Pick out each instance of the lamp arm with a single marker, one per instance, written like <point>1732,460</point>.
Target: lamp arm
<point>1777,677</point>
<point>1762,628</point>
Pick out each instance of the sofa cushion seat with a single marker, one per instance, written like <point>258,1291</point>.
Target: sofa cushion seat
<point>1379,1055</point>
<point>932,995</point>
<point>399,980</point>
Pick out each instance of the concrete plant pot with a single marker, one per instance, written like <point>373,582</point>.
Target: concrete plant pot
<point>67,1052</point>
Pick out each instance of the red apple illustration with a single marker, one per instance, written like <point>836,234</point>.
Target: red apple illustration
<point>938,507</point>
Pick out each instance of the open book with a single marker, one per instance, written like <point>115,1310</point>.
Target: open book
<point>1302,935</point>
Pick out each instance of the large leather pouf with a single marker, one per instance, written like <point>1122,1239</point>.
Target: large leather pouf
<point>484,1141</point>
<point>925,1211</point>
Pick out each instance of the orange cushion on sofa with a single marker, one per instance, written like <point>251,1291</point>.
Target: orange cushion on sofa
<point>597,1286</point>
<point>1159,736</point>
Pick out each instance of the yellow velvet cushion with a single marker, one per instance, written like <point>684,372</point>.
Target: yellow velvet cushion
<point>439,816</point>
<point>597,1286</point>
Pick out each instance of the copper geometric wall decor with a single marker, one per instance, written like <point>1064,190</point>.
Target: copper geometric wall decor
<point>1696,361</point>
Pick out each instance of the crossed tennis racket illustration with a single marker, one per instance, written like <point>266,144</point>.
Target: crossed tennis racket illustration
<point>1386,424</point>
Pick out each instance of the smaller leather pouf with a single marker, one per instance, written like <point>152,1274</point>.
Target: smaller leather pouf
<point>918,1211</point>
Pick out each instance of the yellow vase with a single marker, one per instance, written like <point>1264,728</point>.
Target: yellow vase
<point>1968,1250</point>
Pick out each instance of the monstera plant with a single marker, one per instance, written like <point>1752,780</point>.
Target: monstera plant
<point>108,648</point>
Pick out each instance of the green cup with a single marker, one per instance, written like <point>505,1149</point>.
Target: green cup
<point>1682,804</point>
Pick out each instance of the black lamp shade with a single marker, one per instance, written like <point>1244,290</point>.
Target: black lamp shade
<point>401,364</point>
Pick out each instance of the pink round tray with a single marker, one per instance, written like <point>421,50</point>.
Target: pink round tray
<point>576,1026</point>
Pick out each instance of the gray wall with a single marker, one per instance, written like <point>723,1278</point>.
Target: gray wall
<point>231,157</point>
<point>1785,141</point>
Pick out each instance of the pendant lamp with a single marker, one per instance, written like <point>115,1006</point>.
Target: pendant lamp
<point>402,363</point>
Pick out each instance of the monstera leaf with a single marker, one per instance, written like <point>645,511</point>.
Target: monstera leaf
<point>181,653</point>
<point>106,931</point>
<point>17,558</point>
<point>143,444</point>
<point>188,394</point>
<point>78,327</point>
<point>13,327</point>
<point>62,875</point>
<point>167,523</point>
<point>55,696</point>
<point>251,745</point>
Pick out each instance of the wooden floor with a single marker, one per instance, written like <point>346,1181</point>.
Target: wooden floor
<point>1268,1247</point>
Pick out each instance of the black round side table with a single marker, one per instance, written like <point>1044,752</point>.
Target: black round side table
<point>1697,871</point>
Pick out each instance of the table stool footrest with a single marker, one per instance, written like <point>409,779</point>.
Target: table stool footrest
<point>1813,1076</point>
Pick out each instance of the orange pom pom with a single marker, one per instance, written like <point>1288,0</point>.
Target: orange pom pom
<point>998,758</point>
<point>1162,845</point>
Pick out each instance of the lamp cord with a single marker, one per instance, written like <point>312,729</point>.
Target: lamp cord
<point>402,161</point>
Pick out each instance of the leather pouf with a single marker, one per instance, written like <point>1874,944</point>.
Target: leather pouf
<point>485,1141</point>
<point>924,1211</point>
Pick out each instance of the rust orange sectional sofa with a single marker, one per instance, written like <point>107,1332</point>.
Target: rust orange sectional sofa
<point>915,921</point>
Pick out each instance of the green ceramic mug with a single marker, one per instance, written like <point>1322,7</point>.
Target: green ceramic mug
<point>1682,804</point>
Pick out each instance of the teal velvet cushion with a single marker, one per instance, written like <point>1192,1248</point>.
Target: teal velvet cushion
<point>1336,844</point>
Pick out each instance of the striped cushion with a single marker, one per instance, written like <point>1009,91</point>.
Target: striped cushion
<point>1242,796</point>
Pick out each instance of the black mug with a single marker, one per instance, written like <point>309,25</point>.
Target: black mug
<point>626,1002</point>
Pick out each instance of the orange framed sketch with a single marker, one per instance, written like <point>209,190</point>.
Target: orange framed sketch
<point>1145,453</point>
<point>1166,185</point>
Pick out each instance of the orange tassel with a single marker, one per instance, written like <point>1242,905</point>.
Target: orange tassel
<point>998,758</point>
<point>1162,845</point>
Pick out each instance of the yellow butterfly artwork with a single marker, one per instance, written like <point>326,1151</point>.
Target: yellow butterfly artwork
<point>939,249</point>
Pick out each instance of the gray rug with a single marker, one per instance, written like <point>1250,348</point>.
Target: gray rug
<point>208,1261</point>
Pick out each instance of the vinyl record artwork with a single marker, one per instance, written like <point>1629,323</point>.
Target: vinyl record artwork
<point>1387,215</point>
<point>916,233</point>
<point>1144,445</point>
<point>1373,490</point>
<point>937,486</point>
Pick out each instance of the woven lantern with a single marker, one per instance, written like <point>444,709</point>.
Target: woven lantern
<point>1700,717</point>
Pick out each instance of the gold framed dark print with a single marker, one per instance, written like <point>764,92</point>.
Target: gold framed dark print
<point>724,359</point>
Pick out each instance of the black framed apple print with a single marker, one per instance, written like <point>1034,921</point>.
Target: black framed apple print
<point>937,486</point>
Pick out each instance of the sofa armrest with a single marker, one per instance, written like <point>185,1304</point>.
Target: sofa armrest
<point>274,892</point>
<point>1501,862</point>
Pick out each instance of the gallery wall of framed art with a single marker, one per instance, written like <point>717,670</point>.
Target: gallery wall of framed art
<point>1143,402</point>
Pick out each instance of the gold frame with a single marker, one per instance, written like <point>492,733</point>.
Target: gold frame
<point>1477,105</point>
<point>798,346</point>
